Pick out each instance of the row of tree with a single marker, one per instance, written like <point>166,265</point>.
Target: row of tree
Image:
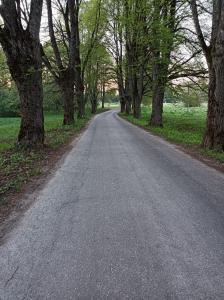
<point>145,46</point>
<point>161,43</point>
<point>70,54</point>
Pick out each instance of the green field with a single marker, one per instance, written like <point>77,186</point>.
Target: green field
<point>184,126</point>
<point>9,128</point>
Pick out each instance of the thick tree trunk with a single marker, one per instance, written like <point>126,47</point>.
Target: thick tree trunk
<point>157,107</point>
<point>127,105</point>
<point>66,85</point>
<point>159,85</point>
<point>23,53</point>
<point>214,53</point>
<point>136,107</point>
<point>136,98</point>
<point>67,92</point>
<point>214,133</point>
<point>32,120</point>
<point>122,102</point>
<point>208,140</point>
<point>81,103</point>
<point>25,64</point>
<point>157,98</point>
<point>122,98</point>
<point>127,93</point>
<point>94,105</point>
<point>219,96</point>
<point>103,96</point>
<point>79,93</point>
<point>120,81</point>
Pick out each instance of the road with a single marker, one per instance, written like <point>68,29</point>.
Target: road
<point>125,216</point>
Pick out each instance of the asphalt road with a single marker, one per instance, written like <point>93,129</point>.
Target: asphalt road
<point>126,216</point>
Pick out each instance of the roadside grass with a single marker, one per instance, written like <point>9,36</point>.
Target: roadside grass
<point>183,126</point>
<point>18,166</point>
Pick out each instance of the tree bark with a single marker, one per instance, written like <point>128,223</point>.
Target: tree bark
<point>68,98</point>
<point>93,104</point>
<point>64,74</point>
<point>103,95</point>
<point>79,94</point>
<point>219,89</point>
<point>65,82</point>
<point>136,97</point>
<point>208,140</point>
<point>159,84</point>
<point>214,53</point>
<point>32,120</point>
<point>161,57</point>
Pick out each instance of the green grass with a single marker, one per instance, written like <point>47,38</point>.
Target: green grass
<point>18,166</point>
<point>183,126</point>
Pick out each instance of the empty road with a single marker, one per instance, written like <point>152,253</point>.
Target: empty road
<point>125,216</point>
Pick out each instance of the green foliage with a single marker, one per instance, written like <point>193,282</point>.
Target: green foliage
<point>53,101</point>
<point>9,102</point>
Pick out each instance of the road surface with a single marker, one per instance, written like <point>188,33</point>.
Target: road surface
<point>126,216</point>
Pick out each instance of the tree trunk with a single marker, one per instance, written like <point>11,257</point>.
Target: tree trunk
<point>66,85</point>
<point>94,105</point>
<point>127,105</point>
<point>214,53</point>
<point>158,96</point>
<point>23,53</point>
<point>25,65</point>
<point>67,92</point>
<point>219,92</point>
<point>214,133</point>
<point>122,101</point>
<point>81,103</point>
<point>103,96</point>
<point>136,98</point>
<point>157,106</point>
<point>208,140</point>
<point>32,120</point>
<point>79,93</point>
<point>159,86</point>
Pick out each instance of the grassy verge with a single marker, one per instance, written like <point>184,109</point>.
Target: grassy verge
<point>18,166</point>
<point>183,126</point>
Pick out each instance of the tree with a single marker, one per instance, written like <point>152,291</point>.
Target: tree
<point>136,38</point>
<point>97,75</point>
<point>214,54</point>
<point>114,41</point>
<point>92,28</point>
<point>163,27</point>
<point>21,45</point>
<point>63,66</point>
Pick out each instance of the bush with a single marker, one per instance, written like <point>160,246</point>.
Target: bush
<point>52,98</point>
<point>9,102</point>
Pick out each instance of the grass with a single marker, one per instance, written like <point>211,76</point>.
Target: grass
<point>183,126</point>
<point>18,166</point>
